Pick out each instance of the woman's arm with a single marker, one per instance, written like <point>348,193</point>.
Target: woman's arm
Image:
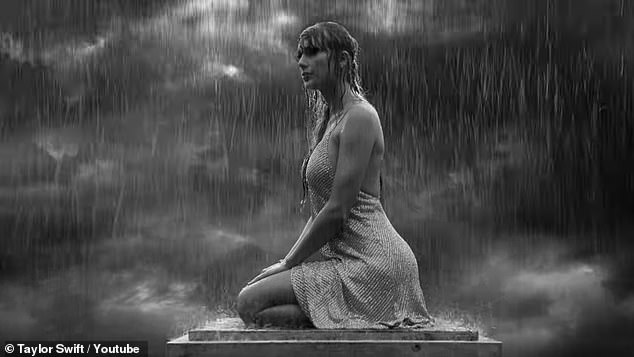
<point>302,236</point>
<point>280,266</point>
<point>356,142</point>
<point>325,225</point>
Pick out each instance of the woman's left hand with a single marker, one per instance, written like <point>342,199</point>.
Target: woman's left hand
<point>273,269</point>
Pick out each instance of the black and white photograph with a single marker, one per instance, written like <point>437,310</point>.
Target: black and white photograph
<point>317,178</point>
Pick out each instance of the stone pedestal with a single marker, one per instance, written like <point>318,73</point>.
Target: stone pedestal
<point>344,343</point>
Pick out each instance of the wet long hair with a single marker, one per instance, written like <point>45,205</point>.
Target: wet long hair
<point>335,39</point>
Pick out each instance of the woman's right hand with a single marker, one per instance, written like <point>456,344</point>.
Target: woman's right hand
<point>270,270</point>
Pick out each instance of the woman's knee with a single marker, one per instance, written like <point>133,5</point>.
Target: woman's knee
<point>270,291</point>
<point>247,302</point>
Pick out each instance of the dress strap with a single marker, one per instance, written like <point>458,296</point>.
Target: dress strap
<point>339,118</point>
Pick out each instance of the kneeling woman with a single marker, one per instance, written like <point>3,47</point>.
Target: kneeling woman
<point>369,275</point>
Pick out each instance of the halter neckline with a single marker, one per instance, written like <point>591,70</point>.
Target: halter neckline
<point>340,114</point>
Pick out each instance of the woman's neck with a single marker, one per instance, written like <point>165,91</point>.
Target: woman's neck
<point>336,101</point>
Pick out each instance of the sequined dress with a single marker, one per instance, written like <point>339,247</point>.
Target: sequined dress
<point>369,278</point>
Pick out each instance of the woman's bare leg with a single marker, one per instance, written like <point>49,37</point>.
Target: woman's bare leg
<point>274,293</point>
<point>290,315</point>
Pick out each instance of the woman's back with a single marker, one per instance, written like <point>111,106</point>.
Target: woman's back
<point>371,181</point>
<point>329,150</point>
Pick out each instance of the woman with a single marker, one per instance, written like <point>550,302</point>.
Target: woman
<point>369,275</point>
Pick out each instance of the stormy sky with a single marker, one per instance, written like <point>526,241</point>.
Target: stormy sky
<point>149,149</point>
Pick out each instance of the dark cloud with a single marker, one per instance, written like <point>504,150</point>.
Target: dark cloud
<point>548,305</point>
<point>145,81</point>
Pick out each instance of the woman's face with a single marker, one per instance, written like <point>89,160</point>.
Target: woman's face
<point>313,67</point>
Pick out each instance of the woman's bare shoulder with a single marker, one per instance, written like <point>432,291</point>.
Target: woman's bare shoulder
<point>362,120</point>
<point>361,108</point>
<point>365,113</point>
<point>364,105</point>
